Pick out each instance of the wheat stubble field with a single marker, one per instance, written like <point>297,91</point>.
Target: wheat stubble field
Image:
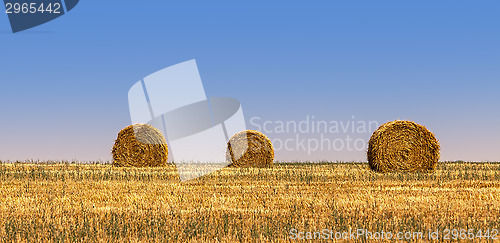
<point>101,203</point>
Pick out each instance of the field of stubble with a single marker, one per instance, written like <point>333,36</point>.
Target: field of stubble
<point>101,203</point>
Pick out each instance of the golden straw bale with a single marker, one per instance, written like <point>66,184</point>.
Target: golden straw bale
<point>250,148</point>
<point>402,146</point>
<point>140,145</point>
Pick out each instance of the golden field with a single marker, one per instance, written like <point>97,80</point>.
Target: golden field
<point>100,203</point>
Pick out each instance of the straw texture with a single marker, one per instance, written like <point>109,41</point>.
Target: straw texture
<point>250,148</point>
<point>140,145</point>
<point>402,146</point>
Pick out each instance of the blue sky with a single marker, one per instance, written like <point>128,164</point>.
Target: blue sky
<point>64,84</point>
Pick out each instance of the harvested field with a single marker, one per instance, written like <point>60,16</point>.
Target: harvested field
<point>73,202</point>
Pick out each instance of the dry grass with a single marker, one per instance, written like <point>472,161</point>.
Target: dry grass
<point>402,146</point>
<point>92,203</point>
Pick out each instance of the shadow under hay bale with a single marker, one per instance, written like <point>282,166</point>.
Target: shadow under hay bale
<point>250,148</point>
<point>402,146</point>
<point>140,145</point>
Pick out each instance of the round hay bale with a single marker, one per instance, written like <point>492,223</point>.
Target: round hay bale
<point>402,146</point>
<point>140,145</point>
<point>250,148</point>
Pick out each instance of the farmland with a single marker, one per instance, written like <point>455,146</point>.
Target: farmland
<point>69,202</point>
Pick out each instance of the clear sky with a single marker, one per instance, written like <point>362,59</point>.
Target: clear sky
<point>64,84</point>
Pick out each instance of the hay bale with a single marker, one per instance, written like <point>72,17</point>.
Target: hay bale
<point>402,146</point>
<point>140,145</point>
<point>250,148</point>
